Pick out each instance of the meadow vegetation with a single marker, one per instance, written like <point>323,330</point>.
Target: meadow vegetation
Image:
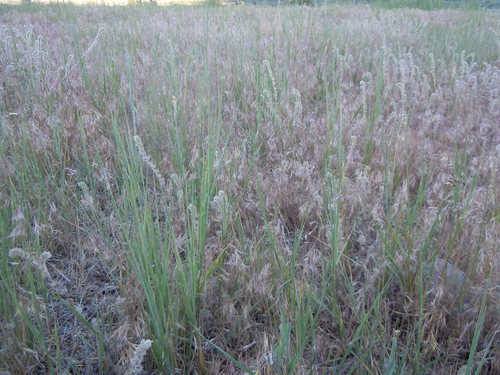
<point>259,190</point>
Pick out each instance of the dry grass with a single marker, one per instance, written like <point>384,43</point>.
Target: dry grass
<point>244,189</point>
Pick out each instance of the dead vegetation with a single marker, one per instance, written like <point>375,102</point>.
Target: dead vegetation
<point>246,189</point>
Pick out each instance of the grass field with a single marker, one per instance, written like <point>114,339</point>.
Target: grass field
<point>231,190</point>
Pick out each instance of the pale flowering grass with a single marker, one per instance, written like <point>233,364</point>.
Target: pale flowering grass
<point>135,365</point>
<point>255,190</point>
